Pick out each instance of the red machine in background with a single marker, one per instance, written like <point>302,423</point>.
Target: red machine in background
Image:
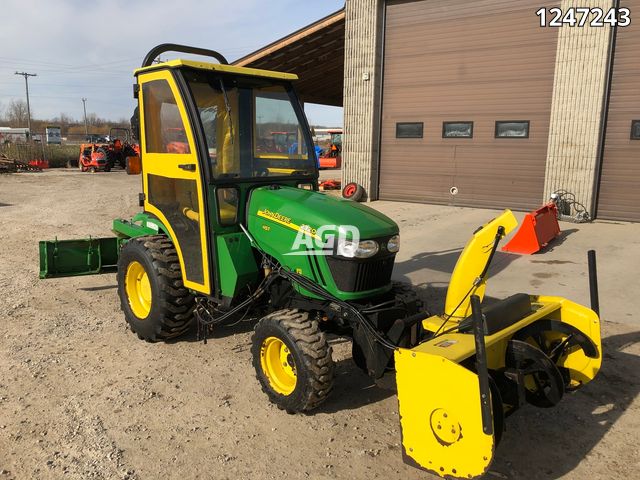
<point>93,158</point>
<point>537,229</point>
<point>103,156</point>
<point>120,147</point>
<point>332,156</point>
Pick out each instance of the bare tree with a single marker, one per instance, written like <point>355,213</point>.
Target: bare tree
<point>92,119</point>
<point>17,113</point>
<point>64,121</point>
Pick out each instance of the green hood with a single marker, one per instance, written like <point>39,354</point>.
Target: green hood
<point>298,207</point>
<point>277,215</point>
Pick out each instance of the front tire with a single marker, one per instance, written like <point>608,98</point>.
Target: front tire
<point>152,296</point>
<point>292,360</point>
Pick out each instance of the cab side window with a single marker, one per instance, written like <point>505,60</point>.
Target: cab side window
<point>164,130</point>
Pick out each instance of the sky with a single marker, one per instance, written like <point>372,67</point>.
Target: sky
<point>89,48</point>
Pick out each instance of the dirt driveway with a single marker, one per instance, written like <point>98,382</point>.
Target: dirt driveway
<point>81,397</point>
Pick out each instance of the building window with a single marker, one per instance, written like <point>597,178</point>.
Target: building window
<point>635,129</point>
<point>409,129</point>
<point>512,129</point>
<point>457,130</point>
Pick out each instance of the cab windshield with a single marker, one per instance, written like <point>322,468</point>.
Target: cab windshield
<point>252,127</point>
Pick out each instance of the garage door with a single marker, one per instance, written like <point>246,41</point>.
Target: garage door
<point>619,197</point>
<point>453,69</point>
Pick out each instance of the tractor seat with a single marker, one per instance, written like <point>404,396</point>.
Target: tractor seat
<point>501,314</point>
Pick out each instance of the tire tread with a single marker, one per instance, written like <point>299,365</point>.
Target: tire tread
<point>177,302</point>
<point>316,356</point>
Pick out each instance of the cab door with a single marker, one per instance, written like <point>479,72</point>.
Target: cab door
<point>171,174</point>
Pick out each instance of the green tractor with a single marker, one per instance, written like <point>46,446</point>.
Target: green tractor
<point>231,224</point>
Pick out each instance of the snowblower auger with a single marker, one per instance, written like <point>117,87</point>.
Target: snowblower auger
<point>483,362</point>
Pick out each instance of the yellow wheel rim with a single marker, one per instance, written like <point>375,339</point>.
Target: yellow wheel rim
<point>278,365</point>
<point>138,290</point>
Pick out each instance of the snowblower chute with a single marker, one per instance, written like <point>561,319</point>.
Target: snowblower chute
<point>483,362</point>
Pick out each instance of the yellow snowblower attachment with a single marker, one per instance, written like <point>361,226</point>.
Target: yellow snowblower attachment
<point>480,363</point>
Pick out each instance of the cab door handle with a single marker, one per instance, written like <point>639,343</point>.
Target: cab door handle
<point>189,167</point>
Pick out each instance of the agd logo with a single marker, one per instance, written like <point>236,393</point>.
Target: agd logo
<point>327,240</point>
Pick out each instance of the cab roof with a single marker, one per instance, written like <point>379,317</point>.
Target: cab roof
<point>253,72</point>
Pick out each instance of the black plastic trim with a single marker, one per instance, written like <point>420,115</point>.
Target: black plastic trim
<point>481,366</point>
<point>205,175</point>
<point>174,47</point>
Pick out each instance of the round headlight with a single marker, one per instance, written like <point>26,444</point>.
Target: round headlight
<point>364,249</point>
<point>393,245</point>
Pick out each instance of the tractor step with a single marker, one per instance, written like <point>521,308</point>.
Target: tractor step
<point>70,258</point>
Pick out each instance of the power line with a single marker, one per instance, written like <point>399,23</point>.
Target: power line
<point>67,65</point>
<point>26,84</point>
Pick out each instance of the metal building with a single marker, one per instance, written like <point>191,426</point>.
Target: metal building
<point>473,103</point>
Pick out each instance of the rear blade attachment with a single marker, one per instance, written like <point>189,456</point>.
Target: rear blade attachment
<point>70,258</point>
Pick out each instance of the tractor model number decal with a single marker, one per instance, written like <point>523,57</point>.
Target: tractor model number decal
<point>274,216</point>
<point>286,221</point>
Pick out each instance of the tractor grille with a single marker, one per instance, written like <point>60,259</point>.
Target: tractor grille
<point>354,275</point>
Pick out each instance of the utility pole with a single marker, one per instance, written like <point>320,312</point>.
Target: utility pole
<point>26,84</point>
<point>84,106</point>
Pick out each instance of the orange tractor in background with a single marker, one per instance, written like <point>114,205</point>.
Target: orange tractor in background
<point>119,148</point>
<point>332,156</point>
<point>95,157</point>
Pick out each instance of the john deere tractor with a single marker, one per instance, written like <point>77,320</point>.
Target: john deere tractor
<point>233,227</point>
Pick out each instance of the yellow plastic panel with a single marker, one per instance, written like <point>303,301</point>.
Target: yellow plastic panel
<point>166,165</point>
<point>440,416</point>
<point>470,264</point>
<point>582,369</point>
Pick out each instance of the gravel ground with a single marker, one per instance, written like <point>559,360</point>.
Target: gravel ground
<point>81,397</point>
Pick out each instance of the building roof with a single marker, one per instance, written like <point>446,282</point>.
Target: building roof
<point>315,53</point>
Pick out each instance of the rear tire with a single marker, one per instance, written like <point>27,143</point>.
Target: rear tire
<point>109,160</point>
<point>292,360</point>
<point>155,303</point>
